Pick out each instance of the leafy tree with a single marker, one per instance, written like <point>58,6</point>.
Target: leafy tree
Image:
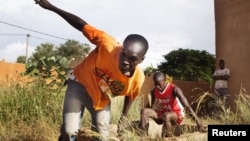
<point>73,49</point>
<point>21,59</point>
<point>190,65</point>
<point>51,62</point>
<point>48,69</point>
<point>149,70</point>
<point>44,50</point>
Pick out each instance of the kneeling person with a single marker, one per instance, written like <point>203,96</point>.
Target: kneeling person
<point>168,104</point>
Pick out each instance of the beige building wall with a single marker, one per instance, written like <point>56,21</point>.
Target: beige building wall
<point>10,72</point>
<point>232,22</point>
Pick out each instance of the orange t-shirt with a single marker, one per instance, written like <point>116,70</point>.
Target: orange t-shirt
<point>100,73</point>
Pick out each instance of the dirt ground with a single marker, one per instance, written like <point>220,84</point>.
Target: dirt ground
<point>186,132</point>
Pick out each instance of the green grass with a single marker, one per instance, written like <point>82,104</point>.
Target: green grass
<point>29,110</point>
<point>33,112</point>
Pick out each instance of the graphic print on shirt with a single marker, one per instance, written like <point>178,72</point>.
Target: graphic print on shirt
<point>108,86</point>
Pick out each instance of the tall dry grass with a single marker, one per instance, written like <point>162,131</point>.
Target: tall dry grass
<point>212,107</point>
<point>33,112</point>
<point>29,112</point>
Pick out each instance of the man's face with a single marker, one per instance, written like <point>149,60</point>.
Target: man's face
<point>222,64</point>
<point>160,83</point>
<point>131,55</point>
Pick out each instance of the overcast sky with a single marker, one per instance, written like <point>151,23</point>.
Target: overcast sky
<point>167,24</point>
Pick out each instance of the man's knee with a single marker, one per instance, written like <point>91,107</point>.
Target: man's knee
<point>103,121</point>
<point>167,117</point>
<point>72,124</point>
<point>144,112</point>
<point>103,130</point>
<point>102,125</point>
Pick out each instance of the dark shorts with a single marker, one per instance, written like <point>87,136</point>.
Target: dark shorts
<point>222,91</point>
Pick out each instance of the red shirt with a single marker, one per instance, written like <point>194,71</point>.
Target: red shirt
<point>167,102</point>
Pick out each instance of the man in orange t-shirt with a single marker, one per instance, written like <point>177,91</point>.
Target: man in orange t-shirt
<point>110,70</point>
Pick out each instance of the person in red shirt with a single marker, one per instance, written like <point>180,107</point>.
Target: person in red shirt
<point>110,70</point>
<point>168,106</point>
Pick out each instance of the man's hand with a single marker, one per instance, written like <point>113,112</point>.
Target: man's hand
<point>201,127</point>
<point>120,126</point>
<point>123,124</point>
<point>44,3</point>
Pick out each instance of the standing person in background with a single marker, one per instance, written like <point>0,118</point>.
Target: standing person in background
<point>110,70</point>
<point>221,76</point>
<point>167,106</point>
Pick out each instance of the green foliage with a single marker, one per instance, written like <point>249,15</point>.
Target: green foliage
<point>30,111</point>
<point>21,59</point>
<point>72,49</point>
<point>189,65</point>
<point>149,70</point>
<point>48,69</point>
<point>49,63</point>
<point>43,50</point>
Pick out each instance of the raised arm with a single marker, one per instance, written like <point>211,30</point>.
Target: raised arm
<point>73,20</point>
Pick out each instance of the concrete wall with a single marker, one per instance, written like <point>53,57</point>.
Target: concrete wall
<point>232,22</point>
